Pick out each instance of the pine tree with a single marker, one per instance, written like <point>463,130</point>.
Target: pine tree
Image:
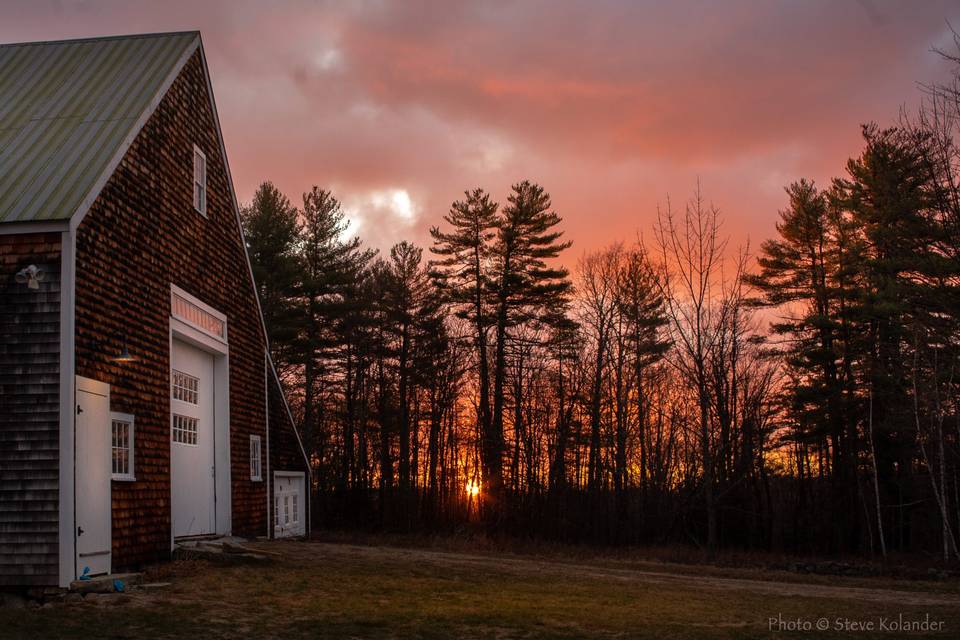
<point>462,275</point>
<point>806,272</point>
<point>271,228</point>
<point>328,265</point>
<point>524,288</point>
<point>889,196</point>
<point>408,305</point>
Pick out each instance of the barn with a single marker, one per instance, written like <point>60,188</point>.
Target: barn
<point>138,402</point>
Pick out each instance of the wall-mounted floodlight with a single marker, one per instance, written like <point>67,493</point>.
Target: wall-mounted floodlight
<point>32,276</point>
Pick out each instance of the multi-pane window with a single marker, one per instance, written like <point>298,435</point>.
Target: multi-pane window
<point>255,458</point>
<point>296,510</point>
<point>199,181</point>
<point>184,429</point>
<point>122,447</point>
<point>185,386</point>
<point>286,510</point>
<point>193,314</point>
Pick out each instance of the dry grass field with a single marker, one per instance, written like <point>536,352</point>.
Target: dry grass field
<point>327,590</point>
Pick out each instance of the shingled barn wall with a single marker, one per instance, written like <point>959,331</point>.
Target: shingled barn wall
<point>141,235</point>
<point>29,410</point>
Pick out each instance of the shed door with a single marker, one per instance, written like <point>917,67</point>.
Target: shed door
<point>191,441</point>
<point>289,504</point>
<point>93,477</point>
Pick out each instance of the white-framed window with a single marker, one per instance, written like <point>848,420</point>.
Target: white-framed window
<point>185,387</point>
<point>121,427</point>
<point>199,180</point>
<point>185,429</point>
<point>255,468</point>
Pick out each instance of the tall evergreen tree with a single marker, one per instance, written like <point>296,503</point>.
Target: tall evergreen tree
<point>409,305</point>
<point>807,273</point>
<point>271,228</point>
<point>328,264</point>
<point>462,274</point>
<point>524,287</point>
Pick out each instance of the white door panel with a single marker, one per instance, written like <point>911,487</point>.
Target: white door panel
<point>192,441</point>
<point>289,504</point>
<point>93,478</point>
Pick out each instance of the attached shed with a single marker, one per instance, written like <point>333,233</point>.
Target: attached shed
<point>138,403</point>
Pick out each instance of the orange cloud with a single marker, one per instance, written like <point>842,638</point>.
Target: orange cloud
<point>611,105</point>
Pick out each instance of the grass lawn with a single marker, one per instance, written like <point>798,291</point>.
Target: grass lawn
<point>320,590</point>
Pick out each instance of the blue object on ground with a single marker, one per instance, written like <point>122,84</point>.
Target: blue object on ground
<point>118,586</point>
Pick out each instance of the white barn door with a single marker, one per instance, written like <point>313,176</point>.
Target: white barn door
<point>93,468</point>
<point>192,441</point>
<point>289,504</point>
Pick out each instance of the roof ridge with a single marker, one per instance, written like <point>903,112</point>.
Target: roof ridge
<point>131,36</point>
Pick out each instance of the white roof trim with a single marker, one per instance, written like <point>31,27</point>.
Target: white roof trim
<point>15,228</point>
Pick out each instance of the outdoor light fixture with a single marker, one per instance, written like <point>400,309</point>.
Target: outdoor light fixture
<point>32,276</point>
<point>125,355</point>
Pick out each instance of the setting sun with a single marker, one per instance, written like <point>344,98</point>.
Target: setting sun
<point>473,488</point>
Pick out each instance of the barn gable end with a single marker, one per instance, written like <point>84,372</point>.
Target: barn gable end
<point>133,242</point>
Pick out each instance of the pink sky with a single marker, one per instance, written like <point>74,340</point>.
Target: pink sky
<point>612,106</point>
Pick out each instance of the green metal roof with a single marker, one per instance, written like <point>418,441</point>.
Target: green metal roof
<point>67,109</point>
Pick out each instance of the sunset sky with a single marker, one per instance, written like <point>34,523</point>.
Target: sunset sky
<point>612,106</point>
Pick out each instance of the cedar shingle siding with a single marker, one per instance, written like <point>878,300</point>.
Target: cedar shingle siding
<point>142,234</point>
<point>29,411</point>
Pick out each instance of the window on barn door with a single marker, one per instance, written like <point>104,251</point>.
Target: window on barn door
<point>199,180</point>
<point>185,429</point>
<point>255,473</point>
<point>122,446</point>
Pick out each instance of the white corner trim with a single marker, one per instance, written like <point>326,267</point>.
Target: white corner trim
<point>111,167</point>
<point>266,429</point>
<point>66,538</point>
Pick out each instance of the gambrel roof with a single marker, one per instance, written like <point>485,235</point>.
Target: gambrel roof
<point>69,108</point>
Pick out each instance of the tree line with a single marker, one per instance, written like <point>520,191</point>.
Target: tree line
<point>672,390</point>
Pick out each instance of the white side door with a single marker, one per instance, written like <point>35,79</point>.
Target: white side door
<point>289,504</point>
<point>93,467</point>
<point>193,475</point>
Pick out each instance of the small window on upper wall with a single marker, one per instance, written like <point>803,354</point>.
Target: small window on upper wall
<point>122,446</point>
<point>199,180</point>
<point>255,473</point>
